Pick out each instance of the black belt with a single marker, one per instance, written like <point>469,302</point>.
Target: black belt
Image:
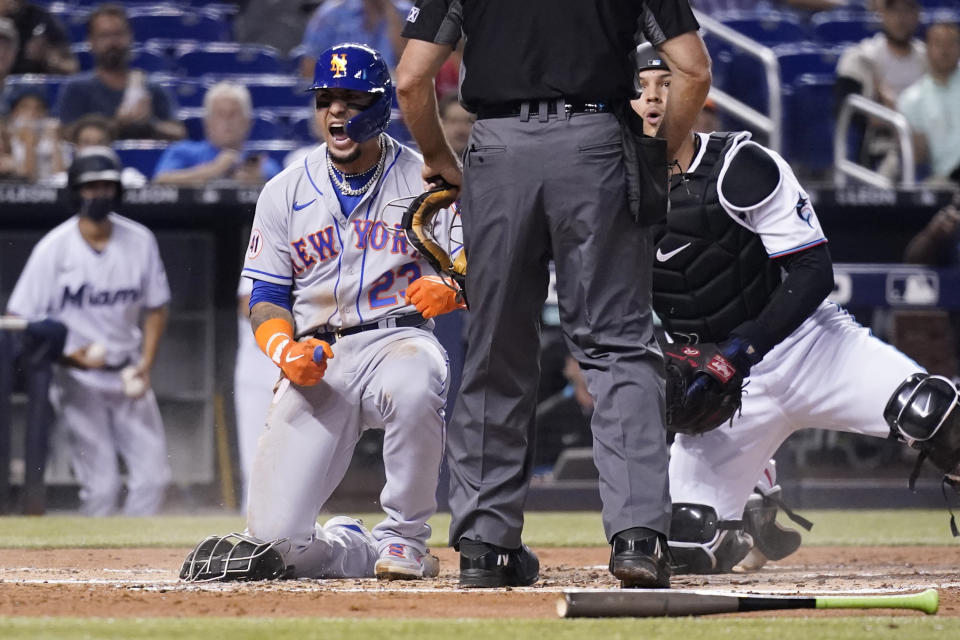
<point>514,109</point>
<point>409,320</point>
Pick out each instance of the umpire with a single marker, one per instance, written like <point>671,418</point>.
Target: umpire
<point>547,177</point>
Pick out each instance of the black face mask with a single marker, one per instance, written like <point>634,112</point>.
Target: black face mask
<point>96,209</point>
<point>113,58</point>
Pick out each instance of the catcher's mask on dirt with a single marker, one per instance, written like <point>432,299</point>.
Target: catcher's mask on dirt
<point>359,68</point>
<point>94,164</point>
<point>233,557</point>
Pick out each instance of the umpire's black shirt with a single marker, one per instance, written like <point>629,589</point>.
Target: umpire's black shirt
<point>540,49</point>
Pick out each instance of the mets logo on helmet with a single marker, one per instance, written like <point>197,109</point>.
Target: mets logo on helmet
<point>338,64</point>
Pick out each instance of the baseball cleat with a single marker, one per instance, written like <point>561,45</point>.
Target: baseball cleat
<point>638,558</point>
<point>350,523</point>
<point>403,562</point>
<point>485,565</point>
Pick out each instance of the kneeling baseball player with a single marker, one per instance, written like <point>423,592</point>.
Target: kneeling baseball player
<point>330,273</point>
<point>740,279</point>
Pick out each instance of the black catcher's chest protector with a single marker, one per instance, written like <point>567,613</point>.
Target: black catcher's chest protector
<point>710,273</point>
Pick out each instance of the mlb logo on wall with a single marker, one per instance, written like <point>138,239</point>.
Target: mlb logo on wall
<point>913,288</point>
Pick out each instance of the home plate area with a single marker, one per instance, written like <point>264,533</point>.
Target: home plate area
<point>129,582</point>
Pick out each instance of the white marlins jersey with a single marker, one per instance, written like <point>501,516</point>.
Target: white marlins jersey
<point>98,295</point>
<point>784,220</point>
<point>344,271</point>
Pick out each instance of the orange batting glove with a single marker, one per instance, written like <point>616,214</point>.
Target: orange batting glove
<point>303,363</point>
<point>434,296</point>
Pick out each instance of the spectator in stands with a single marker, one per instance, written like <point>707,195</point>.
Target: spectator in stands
<point>376,23</point>
<point>456,122</point>
<point>9,42</point>
<point>95,130</point>
<point>932,104</point>
<point>938,243</point>
<point>8,53</point>
<point>880,68</point>
<point>138,108</point>
<point>35,146</point>
<point>277,23</point>
<point>720,6</point>
<point>44,45</point>
<point>228,117</point>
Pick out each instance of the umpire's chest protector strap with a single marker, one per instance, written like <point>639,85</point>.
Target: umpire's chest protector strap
<point>645,161</point>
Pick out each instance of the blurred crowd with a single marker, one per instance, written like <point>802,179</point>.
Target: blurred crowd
<point>66,86</point>
<point>66,62</point>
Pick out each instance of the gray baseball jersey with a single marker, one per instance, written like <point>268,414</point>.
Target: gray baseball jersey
<point>345,271</point>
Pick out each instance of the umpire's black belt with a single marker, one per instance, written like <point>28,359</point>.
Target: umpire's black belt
<point>409,320</point>
<point>540,108</point>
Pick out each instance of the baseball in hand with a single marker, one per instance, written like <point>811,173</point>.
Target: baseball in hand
<point>95,355</point>
<point>133,385</point>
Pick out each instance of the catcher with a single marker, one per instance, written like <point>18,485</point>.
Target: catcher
<point>754,350</point>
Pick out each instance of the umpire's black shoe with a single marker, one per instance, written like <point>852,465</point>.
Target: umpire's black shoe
<point>638,558</point>
<point>485,565</point>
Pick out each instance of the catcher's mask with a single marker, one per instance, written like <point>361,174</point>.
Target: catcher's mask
<point>233,557</point>
<point>359,68</point>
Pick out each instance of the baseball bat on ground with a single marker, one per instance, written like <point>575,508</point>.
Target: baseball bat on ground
<point>601,603</point>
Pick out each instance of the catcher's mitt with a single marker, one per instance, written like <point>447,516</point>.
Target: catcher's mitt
<point>417,223</point>
<point>704,387</point>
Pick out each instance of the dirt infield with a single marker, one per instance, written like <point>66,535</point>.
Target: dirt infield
<point>143,582</point>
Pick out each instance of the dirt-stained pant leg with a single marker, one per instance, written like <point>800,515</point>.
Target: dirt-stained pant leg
<point>530,186</point>
<point>404,391</point>
<point>302,456</point>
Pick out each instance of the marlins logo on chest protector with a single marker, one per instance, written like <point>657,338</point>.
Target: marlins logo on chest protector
<point>710,273</point>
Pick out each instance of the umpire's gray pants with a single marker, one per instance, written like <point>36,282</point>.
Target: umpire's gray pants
<point>536,190</point>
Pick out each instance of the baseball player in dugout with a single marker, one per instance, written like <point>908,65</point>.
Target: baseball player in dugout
<point>330,273</point>
<point>556,168</point>
<point>97,273</point>
<point>740,279</point>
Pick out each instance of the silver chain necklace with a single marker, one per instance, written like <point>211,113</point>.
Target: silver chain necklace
<point>345,187</point>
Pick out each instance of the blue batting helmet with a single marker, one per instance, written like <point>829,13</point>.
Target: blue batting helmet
<point>360,68</point>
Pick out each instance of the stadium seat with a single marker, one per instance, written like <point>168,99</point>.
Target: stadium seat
<point>46,85</point>
<point>837,27</point>
<point>805,57</point>
<point>271,91</point>
<point>164,22</point>
<point>266,126</point>
<point>767,27</point>
<point>228,58</point>
<point>188,92</point>
<point>301,128</point>
<point>140,154</point>
<point>809,121</point>
<point>150,59</point>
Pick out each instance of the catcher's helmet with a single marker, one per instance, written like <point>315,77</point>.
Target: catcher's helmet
<point>360,68</point>
<point>646,57</point>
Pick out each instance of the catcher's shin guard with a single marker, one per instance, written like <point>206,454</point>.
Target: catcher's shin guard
<point>234,557</point>
<point>702,543</point>
<point>922,413</point>
<point>772,541</point>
